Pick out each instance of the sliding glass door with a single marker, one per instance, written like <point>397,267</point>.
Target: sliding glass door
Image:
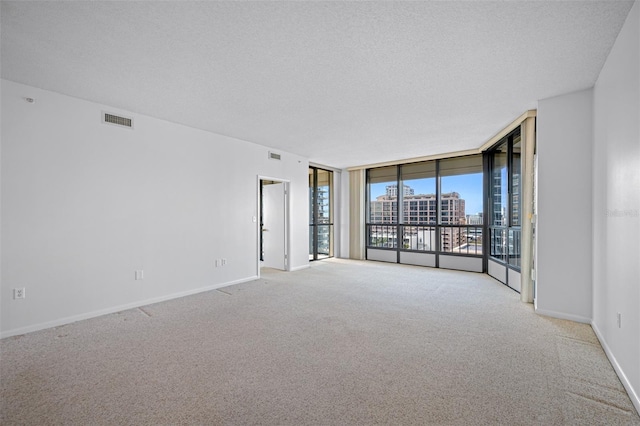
<point>505,207</point>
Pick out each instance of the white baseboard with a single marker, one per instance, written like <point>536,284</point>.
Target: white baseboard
<point>633,395</point>
<point>299,268</point>
<point>119,308</point>
<point>562,315</point>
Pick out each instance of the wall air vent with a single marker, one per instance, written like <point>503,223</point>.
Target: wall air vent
<point>274,156</point>
<point>117,120</point>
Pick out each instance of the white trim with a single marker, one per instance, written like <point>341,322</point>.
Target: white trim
<point>119,308</point>
<point>633,395</point>
<point>562,315</point>
<point>299,268</point>
<point>504,132</point>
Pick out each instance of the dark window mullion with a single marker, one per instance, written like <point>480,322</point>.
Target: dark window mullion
<point>438,214</point>
<point>315,213</point>
<point>399,213</point>
<point>486,212</point>
<point>509,181</point>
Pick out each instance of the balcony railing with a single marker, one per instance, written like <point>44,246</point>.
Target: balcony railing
<point>461,239</point>
<point>504,244</point>
<point>382,236</point>
<point>456,239</point>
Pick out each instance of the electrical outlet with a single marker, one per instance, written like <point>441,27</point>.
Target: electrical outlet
<point>217,262</point>
<point>19,293</point>
<point>139,274</point>
<point>619,320</point>
<point>224,262</point>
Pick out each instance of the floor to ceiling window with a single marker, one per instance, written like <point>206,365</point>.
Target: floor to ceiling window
<point>505,206</point>
<point>470,212</point>
<point>419,206</point>
<point>427,213</point>
<point>320,213</point>
<point>383,208</point>
<point>461,194</point>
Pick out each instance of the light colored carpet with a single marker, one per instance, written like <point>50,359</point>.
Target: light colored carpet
<point>340,343</point>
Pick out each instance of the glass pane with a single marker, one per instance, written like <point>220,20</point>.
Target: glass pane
<point>419,238</point>
<point>383,236</point>
<point>419,193</point>
<point>499,186</point>
<point>450,238</point>
<point>473,239</point>
<point>514,247</point>
<point>462,239</point>
<point>323,196</point>
<point>499,244</point>
<point>311,197</point>
<point>320,213</point>
<point>325,241</point>
<point>383,174</point>
<point>383,195</point>
<point>461,194</point>
<point>515,182</point>
<point>470,164</point>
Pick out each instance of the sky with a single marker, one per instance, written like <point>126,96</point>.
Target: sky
<point>468,186</point>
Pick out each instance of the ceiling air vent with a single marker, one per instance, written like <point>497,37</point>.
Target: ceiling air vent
<point>274,156</point>
<point>117,120</point>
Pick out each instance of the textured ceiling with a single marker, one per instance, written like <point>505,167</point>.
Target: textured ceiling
<point>342,83</point>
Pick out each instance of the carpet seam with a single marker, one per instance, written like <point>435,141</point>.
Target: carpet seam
<point>601,402</point>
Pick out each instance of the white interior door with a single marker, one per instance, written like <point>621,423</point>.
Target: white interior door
<point>273,226</point>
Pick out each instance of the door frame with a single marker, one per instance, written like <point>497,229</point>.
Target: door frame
<point>287,218</point>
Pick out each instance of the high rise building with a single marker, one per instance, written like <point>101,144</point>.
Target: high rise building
<point>418,209</point>
<point>392,190</point>
<point>474,219</point>
<point>324,217</point>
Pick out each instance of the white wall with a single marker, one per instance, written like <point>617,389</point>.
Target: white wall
<point>616,204</point>
<point>563,264</point>
<point>85,204</point>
